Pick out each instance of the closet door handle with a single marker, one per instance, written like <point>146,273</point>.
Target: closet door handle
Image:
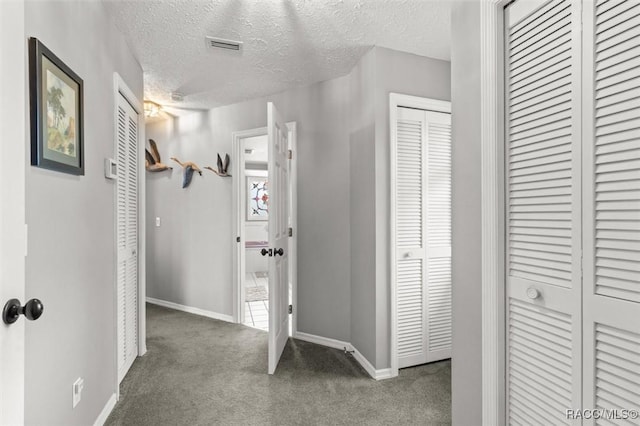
<point>279,251</point>
<point>12,310</point>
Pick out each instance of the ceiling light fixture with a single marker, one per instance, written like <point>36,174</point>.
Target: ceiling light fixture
<point>151,109</point>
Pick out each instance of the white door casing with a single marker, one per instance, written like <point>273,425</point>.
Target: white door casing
<point>127,235</point>
<point>13,140</point>
<point>278,235</point>
<point>421,230</point>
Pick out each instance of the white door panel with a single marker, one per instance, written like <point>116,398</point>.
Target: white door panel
<point>543,211</point>
<point>611,176</point>
<point>423,236</point>
<point>127,235</point>
<point>278,235</point>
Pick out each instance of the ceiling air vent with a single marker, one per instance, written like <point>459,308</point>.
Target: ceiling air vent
<point>220,43</point>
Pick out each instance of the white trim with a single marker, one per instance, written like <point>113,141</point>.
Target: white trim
<point>324,341</point>
<point>381,374</point>
<point>108,408</point>
<point>120,87</point>
<point>191,310</point>
<point>492,208</point>
<point>293,242</point>
<point>400,100</point>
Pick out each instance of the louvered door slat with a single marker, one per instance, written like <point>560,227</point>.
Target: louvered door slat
<point>611,207</point>
<point>127,235</point>
<point>422,217</point>
<point>542,218</point>
<point>410,238</point>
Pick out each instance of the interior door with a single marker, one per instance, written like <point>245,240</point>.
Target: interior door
<point>127,235</point>
<point>543,217</point>
<point>13,141</point>
<point>423,236</point>
<point>278,235</point>
<point>611,176</point>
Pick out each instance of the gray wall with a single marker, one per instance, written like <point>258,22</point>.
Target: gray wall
<point>70,265</point>
<point>189,258</point>
<point>380,72</point>
<point>362,202</point>
<point>411,75</point>
<point>343,200</point>
<point>466,367</point>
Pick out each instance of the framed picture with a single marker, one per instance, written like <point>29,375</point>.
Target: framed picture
<point>56,106</point>
<point>257,198</point>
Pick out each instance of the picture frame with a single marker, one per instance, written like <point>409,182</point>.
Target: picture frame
<point>56,96</point>
<point>257,198</point>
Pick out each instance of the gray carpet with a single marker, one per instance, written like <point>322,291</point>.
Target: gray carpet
<point>200,371</point>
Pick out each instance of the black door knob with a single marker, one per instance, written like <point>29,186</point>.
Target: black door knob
<point>12,310</point>
<point>279,251</point>
<point>265,252</point>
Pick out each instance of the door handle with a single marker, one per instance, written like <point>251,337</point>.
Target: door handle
<point>12,310</point>
<point>264,252</point>
<point>279,251</point>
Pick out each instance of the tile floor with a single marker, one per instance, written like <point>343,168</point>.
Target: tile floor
<point>256,314</point>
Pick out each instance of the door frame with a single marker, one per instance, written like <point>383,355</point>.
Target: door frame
<point>493,233</point>
<point>13,235</point>
<point>397,100</point>
<point>238,208</point>
<point>120,87</point>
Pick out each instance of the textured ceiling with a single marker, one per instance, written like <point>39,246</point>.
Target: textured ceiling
<point>287,43</point>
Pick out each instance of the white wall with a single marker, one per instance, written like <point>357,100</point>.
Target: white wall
<point>71,262</point>
<point>466,367</point>
<point>189,258</point>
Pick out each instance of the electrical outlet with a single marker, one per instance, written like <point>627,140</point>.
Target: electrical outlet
<point>78,385</point>
<point>157,222</point>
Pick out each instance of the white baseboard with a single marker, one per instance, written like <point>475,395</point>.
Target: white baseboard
<point>381,374</point>
<point>191,310</point>
<point>104,414</point>
<point>324,341</point>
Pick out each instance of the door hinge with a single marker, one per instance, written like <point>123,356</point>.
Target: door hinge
<point>237,239</point>
<point>291,232</point>
<point>290,309</point>
<point>290,155</point>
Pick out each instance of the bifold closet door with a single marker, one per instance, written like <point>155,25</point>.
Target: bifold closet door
<point>127,235</point>
<point>611,179</point>
<point>423,236</point>
<point>543,215</point>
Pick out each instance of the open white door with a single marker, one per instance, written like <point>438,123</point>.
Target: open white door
<point>278,235</point>
<point>12,206</point>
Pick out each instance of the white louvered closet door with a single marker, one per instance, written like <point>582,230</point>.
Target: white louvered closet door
<point>543,142</point>
<point>611,177</point>
<point>127,235</point>
<point>423,236</point>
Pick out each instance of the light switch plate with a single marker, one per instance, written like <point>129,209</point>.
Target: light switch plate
<point>158,222</point>
<point>78,385</point>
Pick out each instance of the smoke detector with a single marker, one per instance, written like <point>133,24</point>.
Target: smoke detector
<point>221,43</point>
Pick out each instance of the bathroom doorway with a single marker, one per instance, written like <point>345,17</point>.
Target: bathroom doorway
<point>251,222</point>
<point>255,219</point>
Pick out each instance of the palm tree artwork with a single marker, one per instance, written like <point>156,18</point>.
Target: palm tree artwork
<point>61,123</point>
